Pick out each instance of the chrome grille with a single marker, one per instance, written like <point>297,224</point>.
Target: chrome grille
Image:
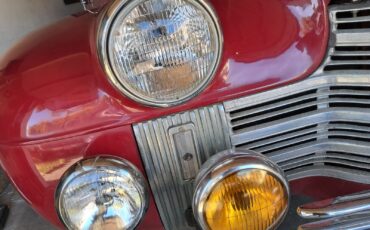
<point>350,26</point>
<point>323,126</point>
<point>317,127</point>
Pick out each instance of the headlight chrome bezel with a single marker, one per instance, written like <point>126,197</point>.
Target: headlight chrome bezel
<point>87,165</point>
<point>224,164</point>
<point>124,7</point>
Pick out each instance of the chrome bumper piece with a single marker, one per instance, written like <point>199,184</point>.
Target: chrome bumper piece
<point>346,212</point>
<point>339,206</point>
<point>359,221</point>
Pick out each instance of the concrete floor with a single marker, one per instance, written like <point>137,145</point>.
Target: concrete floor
<point>21,216</point>
<point>19,17</point>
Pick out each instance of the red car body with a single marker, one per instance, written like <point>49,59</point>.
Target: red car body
<point>57,106</point>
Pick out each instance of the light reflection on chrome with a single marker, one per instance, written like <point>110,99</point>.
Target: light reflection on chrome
<point>102,193</point>
<point>339,206</point>
<point>357,221</point>
<point>345,212</point>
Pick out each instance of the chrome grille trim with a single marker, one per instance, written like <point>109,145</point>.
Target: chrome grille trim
<point>173,196</point>
<point>357,37</point>
<point>349,47</point>
<point>329,132</point>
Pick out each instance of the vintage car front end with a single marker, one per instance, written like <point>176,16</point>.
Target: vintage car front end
<point>188,114</point>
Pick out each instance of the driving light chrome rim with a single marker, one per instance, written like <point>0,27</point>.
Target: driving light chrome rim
<point>121,9</point>
<point>228,163</point>
<point>102,192</point>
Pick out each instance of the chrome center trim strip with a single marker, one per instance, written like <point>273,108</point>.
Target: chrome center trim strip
<point>204,132</point>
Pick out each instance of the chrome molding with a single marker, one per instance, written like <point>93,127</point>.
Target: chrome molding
<point>358,221</point>
<point>345,212</point>
<point>204,132</point>
<point>340,206</point>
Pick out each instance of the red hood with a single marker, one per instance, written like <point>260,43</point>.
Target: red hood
<point>52,85</point>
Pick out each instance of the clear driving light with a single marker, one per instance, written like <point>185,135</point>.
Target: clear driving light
<point>240,190</point>
<point>160,52</point>
<point>102,193</point>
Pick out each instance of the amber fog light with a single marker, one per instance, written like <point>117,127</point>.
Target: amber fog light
<point>240,190</point>
<point>102,193</point>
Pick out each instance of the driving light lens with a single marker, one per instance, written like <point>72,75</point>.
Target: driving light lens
<point>163,52</point>
<point>241,191</point>
<point>102,193</point>
<point>251,199</point>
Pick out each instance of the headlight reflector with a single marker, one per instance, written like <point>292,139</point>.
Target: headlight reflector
<point>161,52</point>
<point>240,191</point>
<point>102,193</point>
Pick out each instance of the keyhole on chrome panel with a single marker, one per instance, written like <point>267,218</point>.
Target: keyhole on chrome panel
<point>187,157</point>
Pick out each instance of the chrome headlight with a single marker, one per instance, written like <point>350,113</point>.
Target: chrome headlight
<point>240,190</point>
<point>160,52</point>
<point>102,193</point>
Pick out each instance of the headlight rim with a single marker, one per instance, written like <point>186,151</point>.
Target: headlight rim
<point>79,169</point>
<point>217,169</point>
<point>105,24</point>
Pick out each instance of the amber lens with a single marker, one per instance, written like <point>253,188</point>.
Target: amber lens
<point>251,199</point>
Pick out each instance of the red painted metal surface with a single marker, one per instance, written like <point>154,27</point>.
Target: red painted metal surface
<point>57,107</point>
<point>52,84</point>
<point>35,169</point>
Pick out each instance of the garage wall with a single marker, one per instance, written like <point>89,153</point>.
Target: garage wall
<point>18,17</point>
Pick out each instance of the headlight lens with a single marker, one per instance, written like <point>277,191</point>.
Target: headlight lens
<point>240,191</point>
<point>102,193</point>
<point>161,52</point>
